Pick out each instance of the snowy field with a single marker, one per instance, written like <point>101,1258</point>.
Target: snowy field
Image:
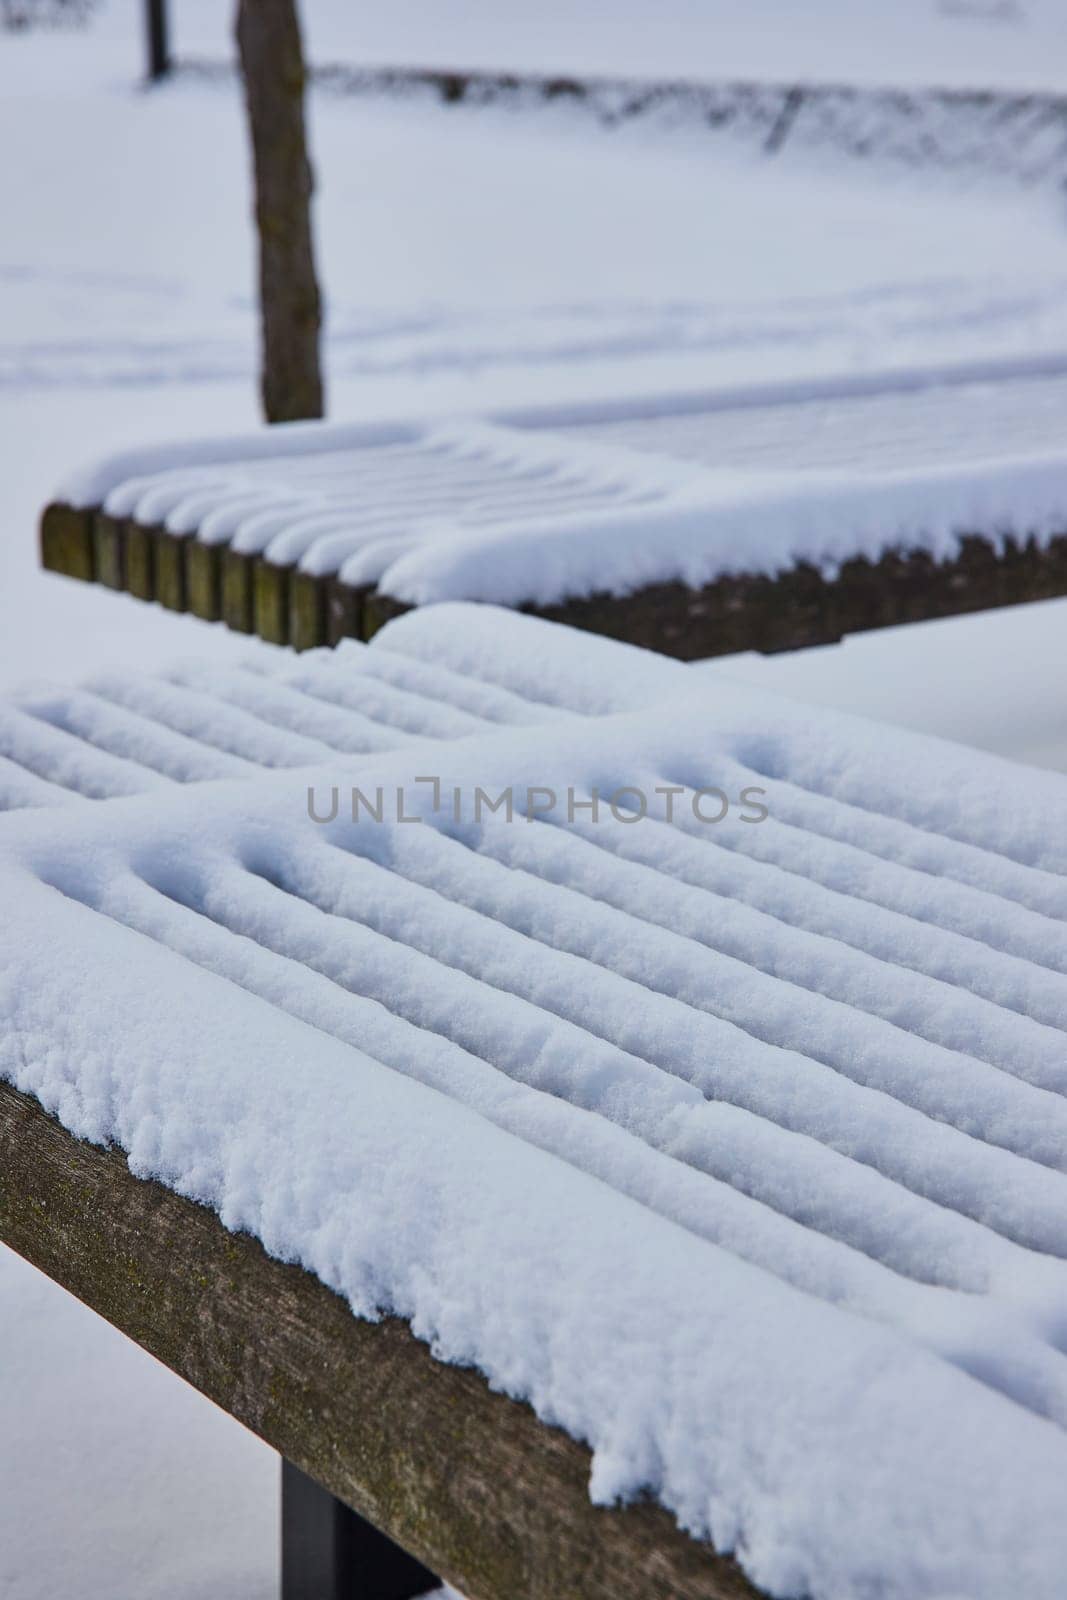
<point>970,44</point>
<point>469,264</point>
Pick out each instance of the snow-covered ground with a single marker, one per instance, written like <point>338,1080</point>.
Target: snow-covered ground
<point>115,1478</point>
<point>469,263</point>
<point>968,44</point>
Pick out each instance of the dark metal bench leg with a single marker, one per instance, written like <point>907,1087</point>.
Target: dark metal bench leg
<point>330,1553</point>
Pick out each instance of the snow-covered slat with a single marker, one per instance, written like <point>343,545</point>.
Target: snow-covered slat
<point>316,728</point>
<point>474,984</point>
<point>382,703</point>
<point>121,732</point>
<point>20,787</point>
<point>859,862</point>
<point>440,686</point>
<point>869,955</point>
<point>549,668</point>
<point>594,897</point>
<point>132,735</point>
<point>913,425</point>
<point>65,760</point>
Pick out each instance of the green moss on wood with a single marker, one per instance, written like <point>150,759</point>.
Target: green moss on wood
<point>270,601</point>
<point>66,541</point>
<point>140,561</point>
<point>203,580</point>
<point>170,569</point>
<point>237,591</point>
<point>307,610</point>
<point>109,551</point>
<point>378,609</point>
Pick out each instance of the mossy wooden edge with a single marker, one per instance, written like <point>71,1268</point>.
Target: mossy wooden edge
<point>378,609</point>
<point>109,550</point>
<point>169,553</point>
<point>236,586</point>
<point>203,580</point>
<point>140,561</point>
<point>466,1480</point>
<point>801,607</point>
<point>66,541</point>
<point>307,610</point>
<point>270,600</point>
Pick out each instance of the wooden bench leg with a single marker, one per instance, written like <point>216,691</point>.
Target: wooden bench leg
<point>331,1553</point>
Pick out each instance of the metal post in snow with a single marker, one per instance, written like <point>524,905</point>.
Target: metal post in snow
<point>156,39</point>
<point>331,1553</point>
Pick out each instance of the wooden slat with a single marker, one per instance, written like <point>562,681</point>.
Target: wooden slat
<point>169,549</point>
<point>307,610</point>
<point>66,541</point>
<point>203,580</point>
<point>109,551</point>
<point>140,561</point>
<point>270,601</point>
<point>467,1480</point>
<point>378,609</point>
<point>237,591</point>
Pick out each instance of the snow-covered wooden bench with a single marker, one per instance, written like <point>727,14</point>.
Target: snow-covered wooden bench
<point>693,526</point>
<point>728,1146</point>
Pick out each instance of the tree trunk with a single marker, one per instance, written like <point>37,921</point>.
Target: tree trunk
<point>272,64</point>
<point>157,39</point>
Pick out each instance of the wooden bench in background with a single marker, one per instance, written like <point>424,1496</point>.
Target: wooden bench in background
<point>307,535</point>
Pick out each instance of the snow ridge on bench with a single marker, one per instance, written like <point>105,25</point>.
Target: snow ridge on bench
<point>118,734</point>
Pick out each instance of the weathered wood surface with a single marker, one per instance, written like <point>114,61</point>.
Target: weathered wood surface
<point>792,610</point>
<point>203,580</point>
<point>270,601</point>
<point>140,561</point>
<point>170,555</point>
<point>467,1480</point>
<point>67,542</point>
<point>109,551</point>
<point>236,585</point>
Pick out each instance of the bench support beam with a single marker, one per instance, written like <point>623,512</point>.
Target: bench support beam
<point>332,1553</point>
